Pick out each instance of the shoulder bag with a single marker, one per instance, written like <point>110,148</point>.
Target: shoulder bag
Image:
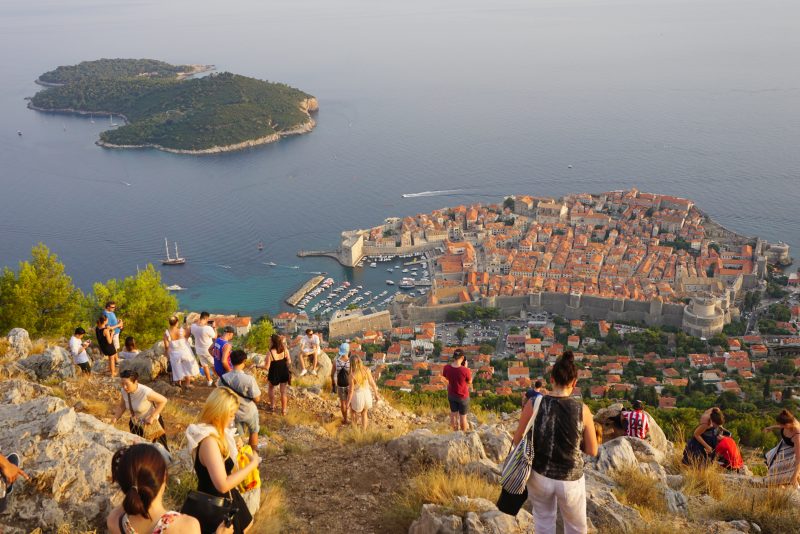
<point>516,469</point>
<point>227,385</point>
<point>150,432</point>
<point>211,510</point>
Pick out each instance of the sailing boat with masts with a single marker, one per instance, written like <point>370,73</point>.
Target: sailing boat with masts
<point>177,260</point>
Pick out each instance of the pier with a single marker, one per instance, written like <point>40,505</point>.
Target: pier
<point>298,295</point>
<point>326,253</point>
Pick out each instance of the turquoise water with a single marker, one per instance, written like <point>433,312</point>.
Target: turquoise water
<point>684,98</point>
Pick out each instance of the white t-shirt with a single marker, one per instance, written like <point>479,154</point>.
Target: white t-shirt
<point>309,344</point>
<point>203,337</point>
<point>125,355</point>
<point>141,406</point>
<point>77,350</point>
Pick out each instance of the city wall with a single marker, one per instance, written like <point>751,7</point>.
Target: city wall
<point>357,323</point>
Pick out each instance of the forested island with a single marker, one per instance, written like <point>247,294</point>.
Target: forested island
<point>165,108</point>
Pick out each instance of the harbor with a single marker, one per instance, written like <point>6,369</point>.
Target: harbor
<point>306,288</point>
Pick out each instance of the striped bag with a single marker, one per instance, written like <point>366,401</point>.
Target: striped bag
<point>780,464</point>
<point>517,465</point>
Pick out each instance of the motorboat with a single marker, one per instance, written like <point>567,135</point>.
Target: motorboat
<point>390,282</point>
<point>175,287</point>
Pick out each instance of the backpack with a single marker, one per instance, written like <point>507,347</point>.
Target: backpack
<point>343,377</point>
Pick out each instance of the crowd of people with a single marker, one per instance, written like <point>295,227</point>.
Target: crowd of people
<point>224,441</point>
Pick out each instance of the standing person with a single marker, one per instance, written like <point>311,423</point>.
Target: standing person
<point>181,359</point>
<point>213,448</point>
<point>221,351</point>
<point>637,422</point>
<point>10,471</point>
<point>309,347</point>
<point>784,460</point>
<point>361,382</point>
<point>141,473</point>
<point>340,380</point>
<point>246,387</point>
<point>77,347</point>
<point>203,334</point>
<point>535,391</point>
<point>459,382</point>
<point>700,448</point>
<point>562,423</point>
<point>129,350</point>
<point>144,404</point>
<point>110,311</point>
<point>279,364</point>
<point>105,342</point>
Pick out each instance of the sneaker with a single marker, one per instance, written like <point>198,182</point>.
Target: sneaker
<point>210,383</point>
<point>303,372</point>
<point>13,458</point>
<point>314,372</point>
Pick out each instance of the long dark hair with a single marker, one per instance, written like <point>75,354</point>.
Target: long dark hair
<point>564,370</point>
<point>785,417</point>
<point>276,342</point>
<point>140,471</point>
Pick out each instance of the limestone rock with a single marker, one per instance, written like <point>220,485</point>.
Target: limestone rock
<point>55,362</point>
<point>677,503</point>
<point>615,455</point>
<point>67,454</point>
<point>158,348</point>
<point>324,366</point>
<point>483,517</point>
<point>165,388</point>
<point>147,364</point>
<point>17,391</point>
<point>434,521</point>
<point>257,359</point>
<point>19,343</point>
<point>453,449</point>
<point>607,416</point>
<point>606,513</point>
<point>485,468</point>
<point>496,442</point>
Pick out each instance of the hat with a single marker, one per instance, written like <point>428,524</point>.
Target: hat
<point>229,330</point>
<point>344,349</point>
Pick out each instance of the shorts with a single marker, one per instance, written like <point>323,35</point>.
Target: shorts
<point>205,358</point>
<point>459,405</point>
<point>343,392</point>
<point>247,426</point>
<point>85,367</point>
<point>116,341</point>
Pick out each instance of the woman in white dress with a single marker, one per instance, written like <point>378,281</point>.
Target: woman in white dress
<point>361,382</point>
<point>184,366</point>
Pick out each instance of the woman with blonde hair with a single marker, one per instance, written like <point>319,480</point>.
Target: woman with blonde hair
<point>361,382</point>
<point>213,447</point>
<point>184,366</point>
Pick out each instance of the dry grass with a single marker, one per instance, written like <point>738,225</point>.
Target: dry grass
<point>38,346</point>
<point>657,526</point>
<point>770,508</point>
<point>291,447</point>
<point>640,491</point>
<point>358,437</point>
<point>436,486</point>
<point>178,487</point>
<point>177,415</point>
<point>701,478</point>
<point>273,516</point>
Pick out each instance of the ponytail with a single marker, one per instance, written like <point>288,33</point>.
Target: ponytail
<point>564,370</point>
<point>785,417</point>
<point>133,504</point>
<point>140,471</point>
<point>716,416</point>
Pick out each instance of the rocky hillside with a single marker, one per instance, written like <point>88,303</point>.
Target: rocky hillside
<point>408,473</point>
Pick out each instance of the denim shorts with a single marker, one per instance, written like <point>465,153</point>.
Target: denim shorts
<point>247,426</point>
<point>459,405</point>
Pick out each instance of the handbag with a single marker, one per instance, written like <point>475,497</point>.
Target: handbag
<point>517,469</point>
<point>150,432</point>
<point>211,510</point>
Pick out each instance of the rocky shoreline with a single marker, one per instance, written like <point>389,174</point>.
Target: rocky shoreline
<point>196,69</point>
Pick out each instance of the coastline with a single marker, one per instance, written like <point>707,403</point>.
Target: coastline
<point>196,69</point>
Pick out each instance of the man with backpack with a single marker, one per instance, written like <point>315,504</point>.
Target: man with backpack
<point>340,379</point>
<point>246,387</point>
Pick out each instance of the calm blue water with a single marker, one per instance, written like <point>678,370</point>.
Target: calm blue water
<point>680,97</point>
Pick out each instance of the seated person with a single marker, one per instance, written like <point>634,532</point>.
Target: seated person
<point>728,455</point>
<point>636,422</point>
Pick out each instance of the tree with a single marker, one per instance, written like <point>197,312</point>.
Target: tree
<point>258,339</point>
<point>437,348</point>
<point>143,303</point>
<point>40,296</point>
<point>461,334</point>
<point>767,389</point>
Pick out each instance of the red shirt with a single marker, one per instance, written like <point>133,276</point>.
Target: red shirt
<point>729,453</point>
<point>457,378</point>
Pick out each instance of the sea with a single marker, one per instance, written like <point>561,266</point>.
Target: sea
<point>462,100</point>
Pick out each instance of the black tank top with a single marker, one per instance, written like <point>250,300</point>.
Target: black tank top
<point>787,440</point>
<point>102,343</point>
<point>204,483</point>
<point>558,430</point>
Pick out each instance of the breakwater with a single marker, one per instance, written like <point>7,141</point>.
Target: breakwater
<point>298,295</point>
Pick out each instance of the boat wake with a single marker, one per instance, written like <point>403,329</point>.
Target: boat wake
<point>432,193</point>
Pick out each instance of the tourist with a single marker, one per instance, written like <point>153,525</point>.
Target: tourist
<point>459,382</point>
<point>110,311</point>
<point>309,348</point>
<point>203,334</point>
<point>637,421</point>
<point>362,387</point>
<point>221,351</point>
<point>141,473</point>
<point>535,391</point>
<point>279,374</point>
<point>728,455</point>
<point>562,429</point>
<point>784,460</point>
<point>144,405</point>
<point>77,347</point>
<point>212,445</point>
<point>246,387</point>
<point>340,380</point>
<point>105,342</point>
<point>129,350</point>
<point>181,359</point>
<point>10,471</point>
<point>700,448</point>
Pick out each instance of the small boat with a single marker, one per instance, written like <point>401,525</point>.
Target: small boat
<point>373,264</point>
<point>175,287</point>
<point>111,120</point>
<point>177,260</point>
<point>260,246</point>
<point>91,118</point>
<point>390,282</point>
<point>389,270</point>
<point>19,133</point>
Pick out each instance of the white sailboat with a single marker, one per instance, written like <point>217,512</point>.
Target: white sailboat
<point>177,260</point>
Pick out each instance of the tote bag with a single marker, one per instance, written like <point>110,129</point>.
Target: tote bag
<point>517,469</point>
